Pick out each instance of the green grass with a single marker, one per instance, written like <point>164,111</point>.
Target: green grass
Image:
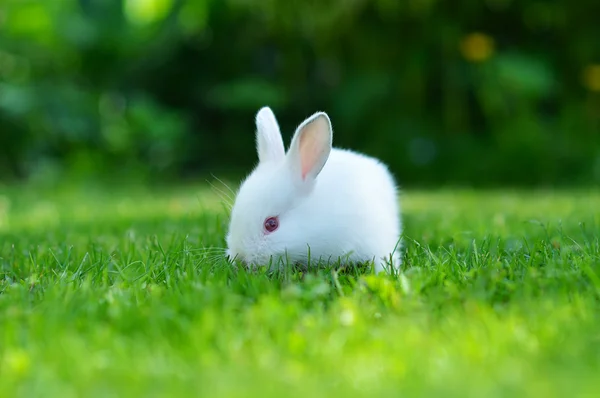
<point>106,294</point>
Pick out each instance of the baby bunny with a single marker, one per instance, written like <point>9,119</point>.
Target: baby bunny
<point>314,203</point>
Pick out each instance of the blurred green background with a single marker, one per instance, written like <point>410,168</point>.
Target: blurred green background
<point>480,93</point>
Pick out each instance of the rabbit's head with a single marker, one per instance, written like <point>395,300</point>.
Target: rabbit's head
<point>268,221</point>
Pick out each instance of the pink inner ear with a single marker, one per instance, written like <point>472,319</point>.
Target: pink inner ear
<point>312,146</point>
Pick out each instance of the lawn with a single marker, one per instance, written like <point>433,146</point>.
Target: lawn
<point>122,292</point>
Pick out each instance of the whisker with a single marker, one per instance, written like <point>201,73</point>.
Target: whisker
<point>224,184</point>
<point>225,193</point>
<point>207,250</point>
<point>216,258</point>
<point>222,194</point>
<point>215,254</point>
<point>225,198</point>
<point>204,251</point>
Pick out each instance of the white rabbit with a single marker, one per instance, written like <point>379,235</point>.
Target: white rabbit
<point>313,204</point>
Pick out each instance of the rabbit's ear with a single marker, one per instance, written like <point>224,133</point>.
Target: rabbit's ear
<point>269,144</point>
<point>310,147</point>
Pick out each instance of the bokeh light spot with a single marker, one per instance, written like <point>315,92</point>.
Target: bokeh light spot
<point>142,12</point>
<point>477,47</point>
<point>591,77</point>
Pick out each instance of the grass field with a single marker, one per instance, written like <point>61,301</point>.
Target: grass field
<point>106,294</point>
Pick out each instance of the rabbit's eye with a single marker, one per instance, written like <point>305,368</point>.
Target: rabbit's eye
<point>271,224</point>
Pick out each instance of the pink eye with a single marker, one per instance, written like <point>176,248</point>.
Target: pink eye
<point>271,224</point>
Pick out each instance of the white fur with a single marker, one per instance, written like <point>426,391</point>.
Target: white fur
<point>269,144</point>
<point>336,203</point>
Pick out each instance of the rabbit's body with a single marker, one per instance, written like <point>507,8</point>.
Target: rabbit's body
<point>363,230</point>
<point>334,204</point>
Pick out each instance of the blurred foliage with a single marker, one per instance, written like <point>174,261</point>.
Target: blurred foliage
<point>476,92</point>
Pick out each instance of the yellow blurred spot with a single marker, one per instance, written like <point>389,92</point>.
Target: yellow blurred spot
<point>347,317</point>
<point>591,77</point>
<point>477,47</point>
<point>146,11</point>
<point>16,362</point>
<point>347,314</point>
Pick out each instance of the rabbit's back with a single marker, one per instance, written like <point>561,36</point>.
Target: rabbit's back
<point>358,195</point>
